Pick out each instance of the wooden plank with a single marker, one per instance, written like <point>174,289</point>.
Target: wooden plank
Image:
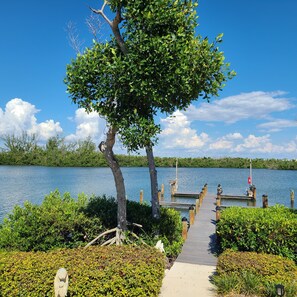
<point>200,246</point>
<point>242,206</point>
<point>233,197</point>
<point>186,195</point>
<point>175,204</point>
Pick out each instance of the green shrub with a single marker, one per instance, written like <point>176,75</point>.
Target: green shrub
<point>168,228</point>
<point>252,273</point>
<point>64,222</point>
<point>271,230</point>
<point>226,283</point>
<point>57,222</point>
<point>95,271</point>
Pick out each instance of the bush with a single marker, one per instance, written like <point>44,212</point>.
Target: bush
<point>252,273</point>
<point>272,230</point>
<point>96,271</point>
<point>64,222</point>
<point>58,222</point>
<point>168,228</point>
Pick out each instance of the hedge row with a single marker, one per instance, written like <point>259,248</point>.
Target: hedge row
<point>58,222</point>
<point>253,273</point>
<point>272,230</point>
<point>62,221</point>
<point>95,271</point>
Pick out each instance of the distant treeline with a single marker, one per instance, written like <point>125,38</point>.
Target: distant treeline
<point>24,150</point>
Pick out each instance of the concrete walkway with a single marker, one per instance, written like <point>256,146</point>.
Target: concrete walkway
<point>191,272</point>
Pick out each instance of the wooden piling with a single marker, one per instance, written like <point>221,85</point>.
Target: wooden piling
<point>218,200</point>
<point>206,188</point>
<point>141,197</point>
<point>218,213</point>
<point>172,187</point>
<point>201,196</point>
<point>159,196</point>
<point>185,229</point>
<point>254,192</point>
<point>203,191</point>
<point>265,201</point>
<point>197,205</point>
<point>162,192</point>
<point>292,198</point>
<point>192,215</point>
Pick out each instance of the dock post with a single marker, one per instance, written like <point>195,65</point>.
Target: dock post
<point>218,200</point>
<point>292,196</point>
<point>191,215</point>
<point>172,188</point>
<point>197,205</point>
<point>253,189</point>
<point>265,201</point>
<point>218,213</point>
<point>159,196</point>
<point>202,195</point>
<point>206,188</point>
<point>162,192</point>
<point>141,197</point>
<point>185,228</point>
<point>219,192</point>
<point>254,192</point>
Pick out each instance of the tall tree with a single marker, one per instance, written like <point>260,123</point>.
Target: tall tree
<point>153,63</point>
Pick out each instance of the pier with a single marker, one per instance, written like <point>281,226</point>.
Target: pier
<point>190,273</point>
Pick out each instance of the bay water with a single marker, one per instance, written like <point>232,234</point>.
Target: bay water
<point>32,183</point>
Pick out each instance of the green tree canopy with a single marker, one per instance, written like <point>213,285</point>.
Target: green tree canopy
<point>153,63</point>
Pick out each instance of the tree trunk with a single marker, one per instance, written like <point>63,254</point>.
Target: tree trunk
<point>106,147</point>
<point>154,182</point>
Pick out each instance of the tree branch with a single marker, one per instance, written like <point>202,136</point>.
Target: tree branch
<point>116,31</point>
<point>101,12</point>
<point>114,25</point>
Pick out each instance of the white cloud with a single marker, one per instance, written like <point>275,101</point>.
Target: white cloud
<point>277,125</point>
<point>177,133</point>
<point>264,145</point>
<point>225,142</point>
<point>87,124</point>
<point>253,105</point>
<point>19,116</point>
<point>221,144</point>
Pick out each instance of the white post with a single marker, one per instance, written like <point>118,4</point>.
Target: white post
<point>251,172</point>
<point>176,184</point>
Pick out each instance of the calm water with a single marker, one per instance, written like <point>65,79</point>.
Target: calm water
<point>21,183</point>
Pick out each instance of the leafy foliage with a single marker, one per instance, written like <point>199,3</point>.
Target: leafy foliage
<point>57,222</point>
<point>252,273</point>
<point>61,221</point>
<point>96,271</point>
<point>271,230</point>
<point>168,228</point>
<point>154,62</point>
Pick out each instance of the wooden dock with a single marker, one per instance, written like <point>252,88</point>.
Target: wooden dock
<point>186,195</point>
<point>200,246</point>
<point>237,197</point>
<point>178,205</point>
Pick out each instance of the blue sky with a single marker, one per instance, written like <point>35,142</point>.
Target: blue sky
<point>254,116</point>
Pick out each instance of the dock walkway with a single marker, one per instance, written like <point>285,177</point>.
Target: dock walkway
<point>189,275</point>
